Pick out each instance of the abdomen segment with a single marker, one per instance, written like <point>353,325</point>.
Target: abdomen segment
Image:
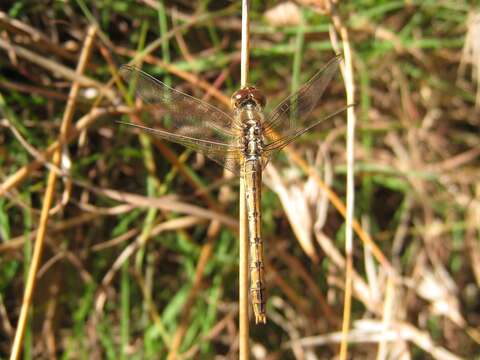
<point>253,183</point>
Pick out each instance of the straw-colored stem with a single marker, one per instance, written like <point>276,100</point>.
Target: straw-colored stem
<point>243,233</point>
<point>351,120</point>
<point>47,202</point>
<point>349,219</point>
<point>245,51</point>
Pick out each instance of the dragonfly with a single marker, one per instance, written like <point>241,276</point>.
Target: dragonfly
<point>242,141</point>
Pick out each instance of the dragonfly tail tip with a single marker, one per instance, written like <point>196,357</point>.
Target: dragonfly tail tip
<point>260,319</point>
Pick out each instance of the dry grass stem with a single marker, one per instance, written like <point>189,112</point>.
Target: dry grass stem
<point>47,201</point>
<point>347,70</point>
<point>244,332</point>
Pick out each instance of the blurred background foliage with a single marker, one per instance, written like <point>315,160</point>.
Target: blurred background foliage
<point>126,276</point>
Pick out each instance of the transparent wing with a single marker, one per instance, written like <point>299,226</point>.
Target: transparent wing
<point>290,118</point>
<point>277,144</point>
<point>183,119</point>
<point>226,155</point>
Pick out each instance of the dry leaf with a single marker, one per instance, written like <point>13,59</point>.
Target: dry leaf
<point>295,204</point>
<point>284,14</point>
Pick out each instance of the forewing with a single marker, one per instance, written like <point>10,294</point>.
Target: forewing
<point>291,117</point>
<point>225,155</point>
<point>181,118</point>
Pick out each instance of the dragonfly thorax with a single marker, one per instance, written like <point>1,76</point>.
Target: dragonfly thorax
<point>252,135</point>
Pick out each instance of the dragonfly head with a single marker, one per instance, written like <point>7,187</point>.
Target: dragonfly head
<point>248,94</point>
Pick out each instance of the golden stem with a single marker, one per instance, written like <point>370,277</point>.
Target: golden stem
<point>243,235</point>
<point>47,201</point>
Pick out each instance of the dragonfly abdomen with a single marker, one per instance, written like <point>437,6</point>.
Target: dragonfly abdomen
<point>253,180</point>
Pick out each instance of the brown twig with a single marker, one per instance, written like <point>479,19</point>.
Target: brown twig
<point>165,203</point>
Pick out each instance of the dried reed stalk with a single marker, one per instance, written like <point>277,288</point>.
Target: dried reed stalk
<point>243,235</point>
<point>349,219</point>
<point>48,198</point>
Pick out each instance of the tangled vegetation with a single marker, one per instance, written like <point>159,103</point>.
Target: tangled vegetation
<point>141,255</point>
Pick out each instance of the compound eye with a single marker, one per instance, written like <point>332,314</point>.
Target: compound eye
<point>236,98</point>
<point>262,99</point>
<point>247,93</point>
<point>259,97</point>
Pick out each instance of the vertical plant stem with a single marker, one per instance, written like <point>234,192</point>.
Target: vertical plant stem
<point>350,193</point>
<point>243,235</point>
<point>48,199</point>
<point>244,56</point>
<point>349,220</point>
